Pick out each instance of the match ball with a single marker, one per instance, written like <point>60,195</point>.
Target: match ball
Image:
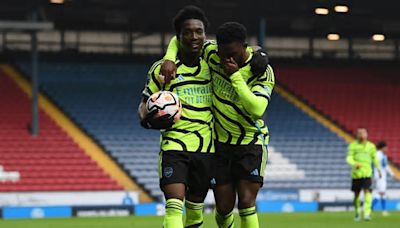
<point>165,102</point>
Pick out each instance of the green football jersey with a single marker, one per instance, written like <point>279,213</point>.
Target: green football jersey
<point>193,131</point>
<point>363,154</point>
<point>235,119</point>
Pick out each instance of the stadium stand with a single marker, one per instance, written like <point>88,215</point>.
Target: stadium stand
<point>8,175</point>
<point>353,97</point>
<point>50,162</point>
<point>102,98</point>
<point>313,148</point>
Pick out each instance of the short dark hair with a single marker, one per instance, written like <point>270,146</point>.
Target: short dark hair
<point>381,144</point>
<point>186,13</point>
<point>231,32</point>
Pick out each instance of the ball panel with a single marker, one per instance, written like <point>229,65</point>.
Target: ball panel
<point>165,102</point>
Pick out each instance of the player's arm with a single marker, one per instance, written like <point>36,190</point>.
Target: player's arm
<point>375,161</point>
<point>255,99</point>
<point>151,120</point>
<point>151,86</point>
<point>350,157</point>
<point>172,50</point>
<point>389,170</point>
<point>209,46</point>
<point>168,68</point>
<point>260,61</point>
<point>142,109</point>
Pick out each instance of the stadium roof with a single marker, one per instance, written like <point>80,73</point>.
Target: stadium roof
<point>283,17</point>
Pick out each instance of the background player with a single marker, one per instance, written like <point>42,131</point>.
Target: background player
<point>187,145</point>
<point>360,156</point>
<point>381,183</point>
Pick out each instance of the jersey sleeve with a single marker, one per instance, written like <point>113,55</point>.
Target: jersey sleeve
<point>210,47</point>
<point>265,84</point>
<point>350,155</point>
<point>254,99</point>
<point>153,83</point>
<point>172,50</point>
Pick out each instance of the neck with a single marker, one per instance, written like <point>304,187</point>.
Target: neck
<point>189,59</point>
<point>362,140</point>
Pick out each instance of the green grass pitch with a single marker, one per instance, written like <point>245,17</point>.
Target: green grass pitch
<point>278,220</point>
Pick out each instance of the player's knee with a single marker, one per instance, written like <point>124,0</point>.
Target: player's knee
<point>173,191</point>
<point>367,190</point>
<point>174,196</point>
<point>195,198</point>
<point>247,201</point>
<point>247,193</point>
<point>224,208</point>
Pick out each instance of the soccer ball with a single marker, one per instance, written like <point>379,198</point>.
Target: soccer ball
<point>165,102</point>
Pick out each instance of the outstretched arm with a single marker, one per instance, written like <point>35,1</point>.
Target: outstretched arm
<point>172,50</point>
<point>168,68</point>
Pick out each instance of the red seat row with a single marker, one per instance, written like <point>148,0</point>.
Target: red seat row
<point>352,97</point>
<point>51,161</point>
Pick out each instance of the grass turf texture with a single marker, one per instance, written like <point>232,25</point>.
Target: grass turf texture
<point>297,220</point>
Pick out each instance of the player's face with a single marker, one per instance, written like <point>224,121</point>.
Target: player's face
<point>362,134</point>
<point>235,50</point>
<point>192,36</point>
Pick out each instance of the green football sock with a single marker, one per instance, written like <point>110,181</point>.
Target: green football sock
<point>194,214</point>
<point>248,217</point>
<point>357,204</point>
<point>367,204</point>
<point>173,214</point>
<point>224,221</point>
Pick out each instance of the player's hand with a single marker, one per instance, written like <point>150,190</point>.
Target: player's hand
<point>162,122</point>
<point>380,174</point>
<point>230,66</point>
<point>259,62</point>
<point>145,122</point>
<point>357,166</point>
<point>153,121</point>
<point>167,71</point>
